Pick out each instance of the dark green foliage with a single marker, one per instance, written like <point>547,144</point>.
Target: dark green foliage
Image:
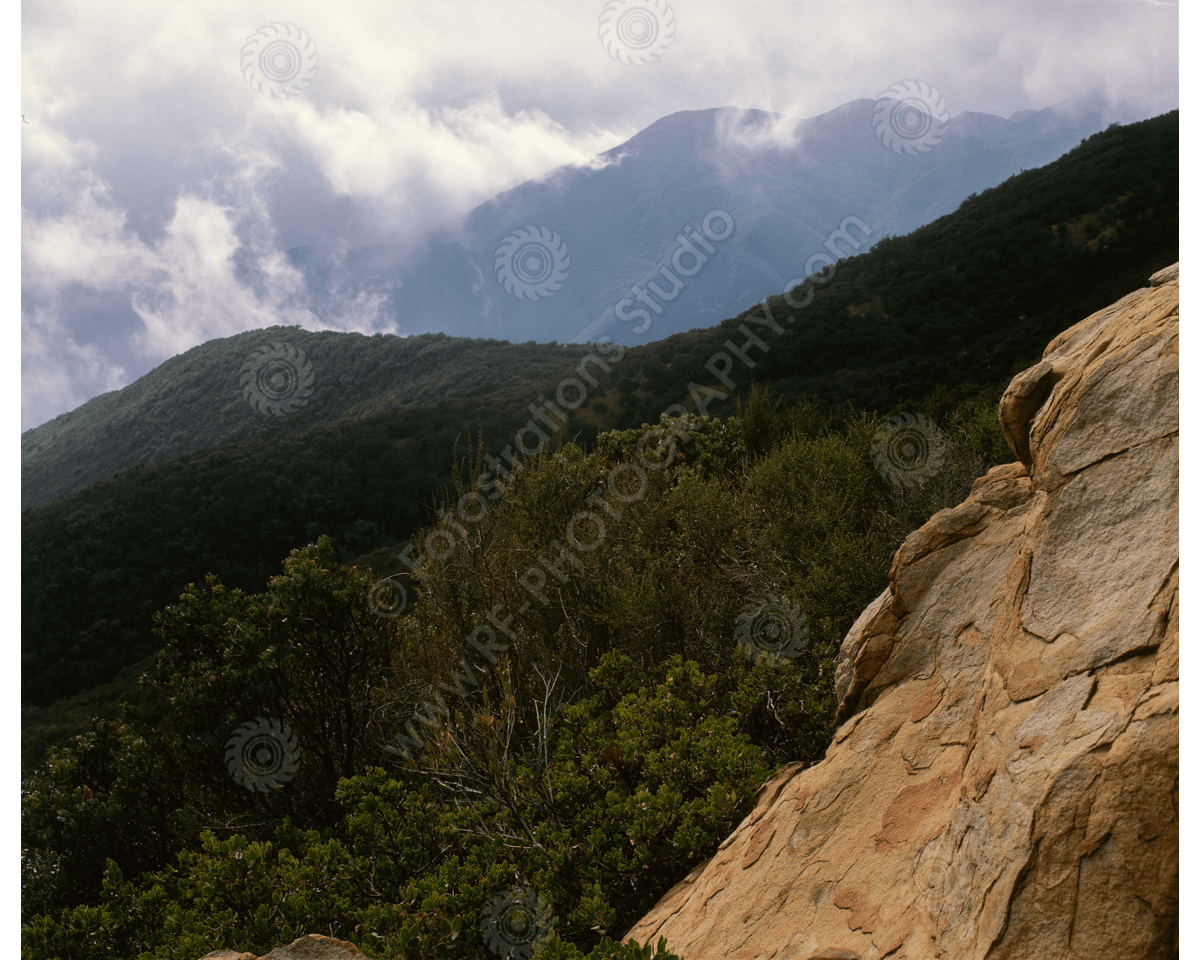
<point>821,503</point>
<point>668,771</point>
<point>308,653</point>
<point>656,751</point>
<point>956,308</point>
<point>111,793</point>
<point>42,727</point>
<point>613,744</point>
<point>98,563</point>
<point>618,732</point>
<point>651,784</point>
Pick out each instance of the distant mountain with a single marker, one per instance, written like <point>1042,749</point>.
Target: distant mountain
<point>601,237</point>
<point>921,322</point>
<point>580,254</point>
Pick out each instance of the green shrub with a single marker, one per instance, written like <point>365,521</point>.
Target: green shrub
<point>606,752</point>
<point>642,781</point>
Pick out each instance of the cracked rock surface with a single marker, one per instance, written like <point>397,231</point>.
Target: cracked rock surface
<point>1004,780</point>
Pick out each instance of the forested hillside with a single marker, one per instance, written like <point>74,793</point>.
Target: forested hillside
<point>570,715</point>
<point>207,396</point>
<point>924,321</point>
<point>604,647</point>
<point>962,302</point>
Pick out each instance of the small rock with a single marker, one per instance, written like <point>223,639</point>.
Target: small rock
<point>312,947</point>
<point>315,947</point>
<point>1165,275</point>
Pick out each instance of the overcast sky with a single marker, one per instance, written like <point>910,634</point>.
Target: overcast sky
<point>172,152</point>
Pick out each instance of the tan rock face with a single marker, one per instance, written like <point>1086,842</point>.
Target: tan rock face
<point>312,947</point>
<point>1004,781</point>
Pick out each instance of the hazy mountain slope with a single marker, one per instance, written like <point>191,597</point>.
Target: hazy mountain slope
<point>786,189</point>
<point>199,399</point>
<point>787,185</point>
<point>958,304</point>
<point>951,310</point>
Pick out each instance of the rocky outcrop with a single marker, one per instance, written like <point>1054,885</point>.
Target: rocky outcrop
<point>312,947</point>
<point>1004,779</point>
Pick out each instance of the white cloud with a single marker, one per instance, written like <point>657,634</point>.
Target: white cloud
<point>151,167</point>
<point>215,270</point>
<point>200,297</point>
<point>89,244</point>
<point>418,170</point>
<point>57,372</point>
<point>742,130</point>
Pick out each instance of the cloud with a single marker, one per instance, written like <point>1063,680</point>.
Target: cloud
<point>753,131</point>
<point>200,296</point>
<point>161,192</point>
<point>88,244</point>
<point>419,170</point>
<point>214,271</point>
<point>57,372</point>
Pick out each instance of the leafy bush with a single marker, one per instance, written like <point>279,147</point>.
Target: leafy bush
<point>668,770</point>
<point>617,738</point>
<point>110,795</point>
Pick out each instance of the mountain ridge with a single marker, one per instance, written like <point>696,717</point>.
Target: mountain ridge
<point>208,380</point>
<point>786,182</point>
<point>945,314</point>
<point>838,135</point>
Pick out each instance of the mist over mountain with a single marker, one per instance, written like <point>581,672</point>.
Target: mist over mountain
<point>355,437</point>
<point>579,255</point>
<point>642,241</point>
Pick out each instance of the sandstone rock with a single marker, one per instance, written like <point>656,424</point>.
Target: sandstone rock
<point>1023,398</point>
<point>1166,275</point>
<point>1004,779</point>
<point>315,947</point>
<point>312,947</point>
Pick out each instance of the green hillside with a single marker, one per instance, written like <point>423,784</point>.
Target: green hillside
<point>602,652</point>
<point>961,303</point>
<point>946,313</point>
<point>210,395</point>
<point>641,680</point>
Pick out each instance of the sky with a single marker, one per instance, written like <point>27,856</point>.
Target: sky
<point>172,153</point>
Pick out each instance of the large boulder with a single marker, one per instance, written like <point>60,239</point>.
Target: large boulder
<point>1004,779</point>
